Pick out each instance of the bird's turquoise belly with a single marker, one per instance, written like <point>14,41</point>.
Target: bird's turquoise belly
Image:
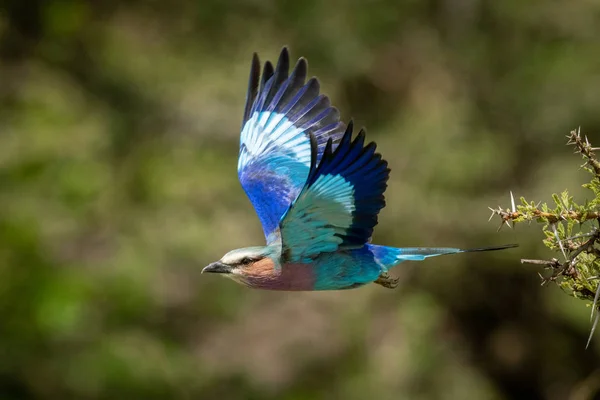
<point>344,270</point>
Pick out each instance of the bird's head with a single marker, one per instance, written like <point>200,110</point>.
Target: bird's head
<point>240,264</point>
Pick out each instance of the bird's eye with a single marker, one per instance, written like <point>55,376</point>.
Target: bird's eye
<point>246,260</point>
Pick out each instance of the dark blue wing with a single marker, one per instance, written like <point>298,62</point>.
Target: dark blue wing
<point>281,113</point>
<point>337,208</point>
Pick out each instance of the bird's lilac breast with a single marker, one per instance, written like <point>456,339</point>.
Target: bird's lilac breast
<point>292,277</point>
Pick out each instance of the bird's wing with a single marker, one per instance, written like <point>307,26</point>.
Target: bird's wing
<point>337,208</point>
<point>281,114</point>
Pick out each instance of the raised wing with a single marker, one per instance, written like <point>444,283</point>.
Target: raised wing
<point>281,114</point>
<point>337,208</point>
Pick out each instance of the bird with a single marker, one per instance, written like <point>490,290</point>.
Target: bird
<point>316,187</point>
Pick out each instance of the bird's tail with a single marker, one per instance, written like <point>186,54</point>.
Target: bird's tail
<point>391,256</point>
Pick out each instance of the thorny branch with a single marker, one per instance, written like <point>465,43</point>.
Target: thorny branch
<point>585,149</point>
<point>515,216</point>
<point>579,273</point>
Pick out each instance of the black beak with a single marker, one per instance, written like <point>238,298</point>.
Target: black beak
<point>217,268</point>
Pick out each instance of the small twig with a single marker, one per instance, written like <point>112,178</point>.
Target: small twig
<point>580,236</point>
<point>585,246</point>
<point>554,263</point>
<point>585,149</point>
<point>508,215</point>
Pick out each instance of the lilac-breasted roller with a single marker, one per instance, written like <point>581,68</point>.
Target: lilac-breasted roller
<point>317,191</point>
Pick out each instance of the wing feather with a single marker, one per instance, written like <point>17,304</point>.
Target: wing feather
<point>338,207</point>
<point>281,114</point>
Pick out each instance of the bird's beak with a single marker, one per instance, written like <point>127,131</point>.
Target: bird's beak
<point>217,268</point>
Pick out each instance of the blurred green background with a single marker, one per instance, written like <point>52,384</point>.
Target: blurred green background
<point>119,130</point>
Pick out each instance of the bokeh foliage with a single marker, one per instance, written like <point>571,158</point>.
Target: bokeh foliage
<point>120,124</point>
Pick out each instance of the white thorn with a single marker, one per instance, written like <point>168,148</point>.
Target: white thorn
<point>595,302</point>
<point>593,329</point>
<point>512,202</point>
<point>559,241</point>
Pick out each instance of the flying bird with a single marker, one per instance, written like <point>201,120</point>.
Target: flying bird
<point>317,189</point>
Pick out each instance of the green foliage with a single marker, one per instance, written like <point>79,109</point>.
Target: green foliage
<point>570,229</point>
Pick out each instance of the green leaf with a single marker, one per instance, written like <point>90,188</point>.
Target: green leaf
<point>556,199</point>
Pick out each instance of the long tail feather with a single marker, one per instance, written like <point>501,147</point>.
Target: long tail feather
<point>491,248</point>
<point>391,256</point>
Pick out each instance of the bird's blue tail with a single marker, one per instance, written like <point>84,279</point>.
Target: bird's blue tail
<point>391,256</point>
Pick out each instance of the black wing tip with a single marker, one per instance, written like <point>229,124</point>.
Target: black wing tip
<point>371,147</point>
<point>301,67</point>
<point>313,153</point>
<point>347,136</point>
<point>358,140</point>
<point>268,70</point>
<point>328,152</point>
<point>350,125</point>
<point>285,52</point>
<point>362,134</point>
<point>284,56</point>
<point>314,83</point>
<point>283,63</point>
<point>253,83</point>
<point>492,248</point>
<point>302,60</point>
